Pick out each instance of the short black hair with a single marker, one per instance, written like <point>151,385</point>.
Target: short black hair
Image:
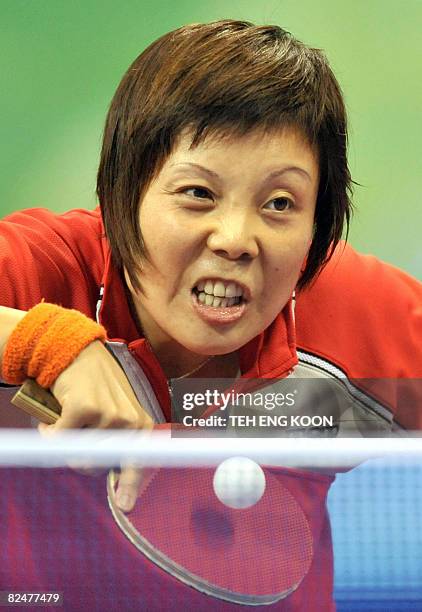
<point>228,77</point>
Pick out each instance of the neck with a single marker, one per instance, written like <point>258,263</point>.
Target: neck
<point>217,366</point>
<point>177,361</point>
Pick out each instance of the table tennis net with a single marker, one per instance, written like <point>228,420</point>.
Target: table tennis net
<point>375,508</point>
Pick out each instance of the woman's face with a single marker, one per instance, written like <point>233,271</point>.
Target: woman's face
<point>227,226</point>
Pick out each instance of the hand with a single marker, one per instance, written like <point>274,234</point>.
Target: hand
<point>93,391</point>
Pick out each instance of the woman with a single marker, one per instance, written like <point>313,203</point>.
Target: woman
<point>224,187</point>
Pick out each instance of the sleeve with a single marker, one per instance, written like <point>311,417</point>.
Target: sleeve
<point>58,258</point>
<point>365,317</point>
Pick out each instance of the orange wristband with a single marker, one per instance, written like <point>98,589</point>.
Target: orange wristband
<point>45,342</point>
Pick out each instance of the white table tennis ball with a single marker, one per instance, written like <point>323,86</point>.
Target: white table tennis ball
<point>239,482</point>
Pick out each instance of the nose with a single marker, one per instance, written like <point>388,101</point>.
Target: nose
<point>233,236</point>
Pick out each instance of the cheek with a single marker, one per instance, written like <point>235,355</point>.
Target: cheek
<point>168,239</point>
<point>286,267</point>
<point>288,259</point>
<point>164,248</point>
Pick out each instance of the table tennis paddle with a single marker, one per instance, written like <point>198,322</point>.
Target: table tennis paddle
<point>252,556</point>
<point>37,401</point>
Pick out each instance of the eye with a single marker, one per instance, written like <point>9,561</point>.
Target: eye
<point>200,193</point>
<point>279,204</point>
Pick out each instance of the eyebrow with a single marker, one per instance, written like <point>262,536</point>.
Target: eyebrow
<point>199,167</point>
<point>297,169</point>
<point>272,175</point>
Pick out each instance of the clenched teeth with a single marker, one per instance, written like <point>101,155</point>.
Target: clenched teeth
<point>211,300</point>
<point>219,289</point>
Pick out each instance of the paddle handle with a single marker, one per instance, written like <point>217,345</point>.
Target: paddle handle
<point>37,401</point>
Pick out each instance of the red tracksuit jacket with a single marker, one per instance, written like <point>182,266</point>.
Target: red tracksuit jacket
<point>361,319</point>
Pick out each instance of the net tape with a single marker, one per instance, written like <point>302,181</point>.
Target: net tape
<point>104,448</point>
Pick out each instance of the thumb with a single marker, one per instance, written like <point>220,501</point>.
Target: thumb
<point>133,482</point>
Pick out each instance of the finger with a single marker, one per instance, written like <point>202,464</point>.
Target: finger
<point>45,430</point>
<point>71,419</point>
<point>84,468</point>
<point>131,484</point>
<point>127,488</point>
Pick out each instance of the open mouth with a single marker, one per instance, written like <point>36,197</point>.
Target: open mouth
<point>218,294</point>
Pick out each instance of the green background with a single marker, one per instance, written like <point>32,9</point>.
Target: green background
<point>60,62</point>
